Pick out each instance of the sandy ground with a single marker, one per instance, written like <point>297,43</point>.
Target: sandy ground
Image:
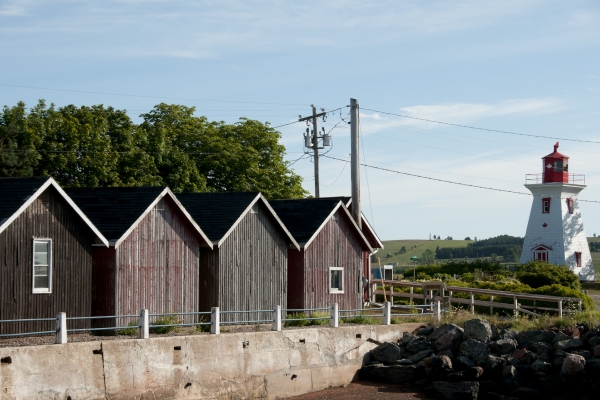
<point>366,390</point>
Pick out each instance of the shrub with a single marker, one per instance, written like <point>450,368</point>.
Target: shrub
<point>129,331</point>
<point>204,328</point>
<point>361,320</point>
<point>296,323</point>
<point>165,320</point>
<point>537,274</point>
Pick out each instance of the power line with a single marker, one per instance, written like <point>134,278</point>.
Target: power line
<point>452,182</point>
<point>483,129</point>
<point>149,97</point>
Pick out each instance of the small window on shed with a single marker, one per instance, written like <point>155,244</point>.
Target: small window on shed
<point>546,205</point>
<point>42,266</point>
<point>336,280</point>
<point>570,205</point>
<point>578,259</point>
<point>254,209</point>
<point>160,206</point>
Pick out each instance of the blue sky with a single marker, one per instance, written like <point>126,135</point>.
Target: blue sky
<point>529,67</point>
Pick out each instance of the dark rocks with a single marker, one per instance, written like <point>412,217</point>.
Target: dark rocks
<point>478,329</point>
<point>448,341</point>
<point>415,358</point>
<point>541,366</point>
<point>568,344</point>
<point>386,353</point>
<point>560,337</point>
<point>437,367</point>
<point>597,350</point>
<point>457,390</point>
<point>418,344</point>
<point>540,348</point>
<point>392,373</point>
<point>503,346</point>
<point>426,331</point>
<point>407,338</point>
<point>462,363</point>
<point>573,364</point>
<point>469,374</point>
<point>594,341</point>
<point>443,329</point>
<point>475,350</point>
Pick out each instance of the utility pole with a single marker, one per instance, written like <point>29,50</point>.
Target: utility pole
<point>355,162</point>
<point>312,140</point>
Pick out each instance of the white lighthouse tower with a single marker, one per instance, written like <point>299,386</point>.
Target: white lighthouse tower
<point>555,229</point>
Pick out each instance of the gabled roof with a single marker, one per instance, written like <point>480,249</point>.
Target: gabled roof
<point>19,193</point>
<point>306,217</point>
<point>116,211</point>
<point>368,231</point>
<point>219,213</point>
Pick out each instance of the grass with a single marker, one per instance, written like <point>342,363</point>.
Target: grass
<point>324,319</point>
<point>165,320</point>
<point>393,246</point>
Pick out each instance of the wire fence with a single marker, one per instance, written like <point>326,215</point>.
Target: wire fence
<point>142,324</point>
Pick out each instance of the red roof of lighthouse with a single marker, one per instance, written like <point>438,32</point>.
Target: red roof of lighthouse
<point>556,154</point>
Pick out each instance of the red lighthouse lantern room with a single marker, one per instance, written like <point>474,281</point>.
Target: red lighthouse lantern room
<point>556,167</point>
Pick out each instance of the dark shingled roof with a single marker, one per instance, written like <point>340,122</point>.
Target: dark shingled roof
<point>15,192</point>
<point>114,210</point>
<point>216,213</point>
<point>302,217</point>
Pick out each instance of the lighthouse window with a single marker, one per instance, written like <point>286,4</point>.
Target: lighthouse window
<point>558,166</point>
<point>578,259</point>
<point>570,205</point>
<point>546,205</point>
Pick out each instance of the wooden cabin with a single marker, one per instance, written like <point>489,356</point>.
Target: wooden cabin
<point>45,255</point>
<point>247,269</point>
<point>153,261</point>
<point>329,266</point>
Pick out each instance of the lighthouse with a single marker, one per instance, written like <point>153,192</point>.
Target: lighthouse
<point>555,229</point>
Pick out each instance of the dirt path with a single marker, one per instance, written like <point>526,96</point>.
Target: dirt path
<point>366,390</point>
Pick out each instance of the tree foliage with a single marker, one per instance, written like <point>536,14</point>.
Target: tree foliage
<point>101,146</point>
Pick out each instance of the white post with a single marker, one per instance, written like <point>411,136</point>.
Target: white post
<point>276,325</point>
<point>387,313</point>
<point>61,328</point>
<point>144,325</point>
<point>560,312</point>
<point>215,321</point>
<point>491,306</point>
<point>335,316</point>
<point>437,313</point>
<point>516,306</point>
<point>472,303</point>
<point>411,294</point>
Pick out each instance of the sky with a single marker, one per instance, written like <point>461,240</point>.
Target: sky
<point>524,67</point>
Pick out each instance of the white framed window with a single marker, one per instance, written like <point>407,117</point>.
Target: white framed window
<point>336,280</point>
<point>42,266</point>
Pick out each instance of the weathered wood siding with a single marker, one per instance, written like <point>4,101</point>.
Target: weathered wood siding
<point>49,217</point>
<point>250,268</point>
<point>157,265</point>
<point>336,245</point>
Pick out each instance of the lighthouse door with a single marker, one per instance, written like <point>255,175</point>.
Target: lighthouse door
<point>540,253</point>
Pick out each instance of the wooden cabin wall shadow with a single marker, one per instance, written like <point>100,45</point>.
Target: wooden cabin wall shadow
<point>48,217</point>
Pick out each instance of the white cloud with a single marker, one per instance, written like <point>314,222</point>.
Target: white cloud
<point>469,112</point>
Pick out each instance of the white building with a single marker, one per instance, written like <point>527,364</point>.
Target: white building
<point>555,229</point>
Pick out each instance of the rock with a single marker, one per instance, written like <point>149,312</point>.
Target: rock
<point>437,367</point>
<point>493,362</point>
<point>589,335</point>
<point>526,338</point>
<point>448,353</point>
<point>386,353</point>
<point>541,366</point>
<point>443,329</point>
<point>467,390</point>
<point>425,331</point>
<point>469,374</point>
<point>573,364</point>
<point>475,350</point>
<point>495,332</point>
<point>404,361</point>
<point>509,371</point>
<point>568,344</point>
<point>594,341</point>
<point>503,346</point>
<point>478,329</point>
<point>450,340</point>
<point>529,358</point>
<point>407,338</point>
<point>415,358</point>
<point>560,337</point>
<point>419,344</point>
<point>541,348</point>
<point>593,364</point>
<point>583,353</point>
<point>597,350</point>
<point>526,393</point>
<point>393,373</point>
<point>507,334</point>
<point>573,332</point>
<point>461,363</point>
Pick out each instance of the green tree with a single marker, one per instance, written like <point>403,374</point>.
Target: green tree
<point>18,156</point>
<point>428,256</point>
<point>403,250</point>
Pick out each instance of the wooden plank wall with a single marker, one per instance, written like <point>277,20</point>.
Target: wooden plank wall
<point>253,267</point>
<point>72,266</point>
<point>158,265</point>
<point>337,245</point>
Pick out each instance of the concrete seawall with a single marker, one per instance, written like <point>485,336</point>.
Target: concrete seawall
<point>267,365</point>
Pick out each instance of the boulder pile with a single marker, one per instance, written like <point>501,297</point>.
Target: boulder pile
<point>484,362</point>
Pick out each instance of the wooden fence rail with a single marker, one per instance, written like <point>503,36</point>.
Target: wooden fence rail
<point>438,291</point>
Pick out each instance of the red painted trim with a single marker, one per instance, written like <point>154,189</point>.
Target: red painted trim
<point>578,259</point>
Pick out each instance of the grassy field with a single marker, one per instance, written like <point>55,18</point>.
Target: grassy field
<point>413,248</point>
